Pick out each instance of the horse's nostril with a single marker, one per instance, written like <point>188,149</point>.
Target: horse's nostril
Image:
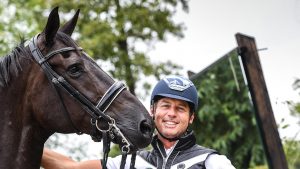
<point>146,128</point>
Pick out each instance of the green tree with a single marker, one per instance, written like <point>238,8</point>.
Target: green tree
<point>295,106</point>
<point>19,20</point>
<point>114,29</point>
<point>292,145</point>
<point>111,31</point>
<point>225,120</point>
<point>292,152</point>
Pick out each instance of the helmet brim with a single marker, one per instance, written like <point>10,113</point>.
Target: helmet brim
<point>176,97</point>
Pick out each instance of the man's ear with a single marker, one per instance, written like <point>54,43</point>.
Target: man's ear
<point>192,118</point>
<point>151,110</point>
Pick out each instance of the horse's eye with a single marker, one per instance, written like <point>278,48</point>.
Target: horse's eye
<point>65,54</point>
<point>75,70</point>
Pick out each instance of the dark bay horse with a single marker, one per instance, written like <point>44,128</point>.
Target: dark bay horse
<point>50,85</point>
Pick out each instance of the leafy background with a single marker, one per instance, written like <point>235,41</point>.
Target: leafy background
<point>119,35</point>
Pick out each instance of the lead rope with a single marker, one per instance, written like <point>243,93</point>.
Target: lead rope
<point>133,157</point>
<point>123,161</point>
<point>106,149</point>
<point>124,157</point>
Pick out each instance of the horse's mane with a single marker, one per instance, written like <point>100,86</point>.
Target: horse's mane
<point>10,64</point>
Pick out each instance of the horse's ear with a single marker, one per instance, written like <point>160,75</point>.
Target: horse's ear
<point>51,27</point>
<point>69,26</point>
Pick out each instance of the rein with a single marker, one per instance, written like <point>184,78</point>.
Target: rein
<point>96,112</point>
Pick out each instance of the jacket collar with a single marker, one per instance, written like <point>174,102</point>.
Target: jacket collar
<point>186,141</point>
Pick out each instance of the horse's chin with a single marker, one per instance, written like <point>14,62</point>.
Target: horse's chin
<point>97,136</point>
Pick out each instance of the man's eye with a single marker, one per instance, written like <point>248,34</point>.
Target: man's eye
<point>164,105</point>
<point>182,109</point>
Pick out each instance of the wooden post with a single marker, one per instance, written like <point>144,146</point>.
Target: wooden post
<point>261,101</point>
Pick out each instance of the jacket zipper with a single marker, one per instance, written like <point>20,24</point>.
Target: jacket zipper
<point>165,159</point>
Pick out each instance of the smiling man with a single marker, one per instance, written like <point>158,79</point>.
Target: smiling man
<point>173,103</point>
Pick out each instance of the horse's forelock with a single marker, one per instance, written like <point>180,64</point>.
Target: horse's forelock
<point>66,39</point>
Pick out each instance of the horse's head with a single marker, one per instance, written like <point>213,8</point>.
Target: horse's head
<point>70,93</point>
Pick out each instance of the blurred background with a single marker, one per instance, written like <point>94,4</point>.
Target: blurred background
<point>140,41</point>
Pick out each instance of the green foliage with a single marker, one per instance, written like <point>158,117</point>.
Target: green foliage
<point>295,106</point>
<point>292,152</point>
<point>261,167</point>
<point>292,145</point>
<point>107,30</point>
<point>114,151</point>
<point>226,120</point>
<point>19,20</point>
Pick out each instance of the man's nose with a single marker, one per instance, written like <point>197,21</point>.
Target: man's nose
<point>172,111</point>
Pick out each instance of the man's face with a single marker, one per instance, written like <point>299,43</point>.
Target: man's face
<point>172,116</point>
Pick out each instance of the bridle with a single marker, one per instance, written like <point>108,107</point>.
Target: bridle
<point>95,111</point>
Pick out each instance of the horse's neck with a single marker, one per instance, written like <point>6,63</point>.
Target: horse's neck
<point>21,138</point>
<point>21,146</point>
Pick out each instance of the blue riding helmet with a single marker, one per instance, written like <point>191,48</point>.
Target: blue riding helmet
<point>176,87</point>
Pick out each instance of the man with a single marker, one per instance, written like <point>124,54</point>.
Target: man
<point>173,102</point>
